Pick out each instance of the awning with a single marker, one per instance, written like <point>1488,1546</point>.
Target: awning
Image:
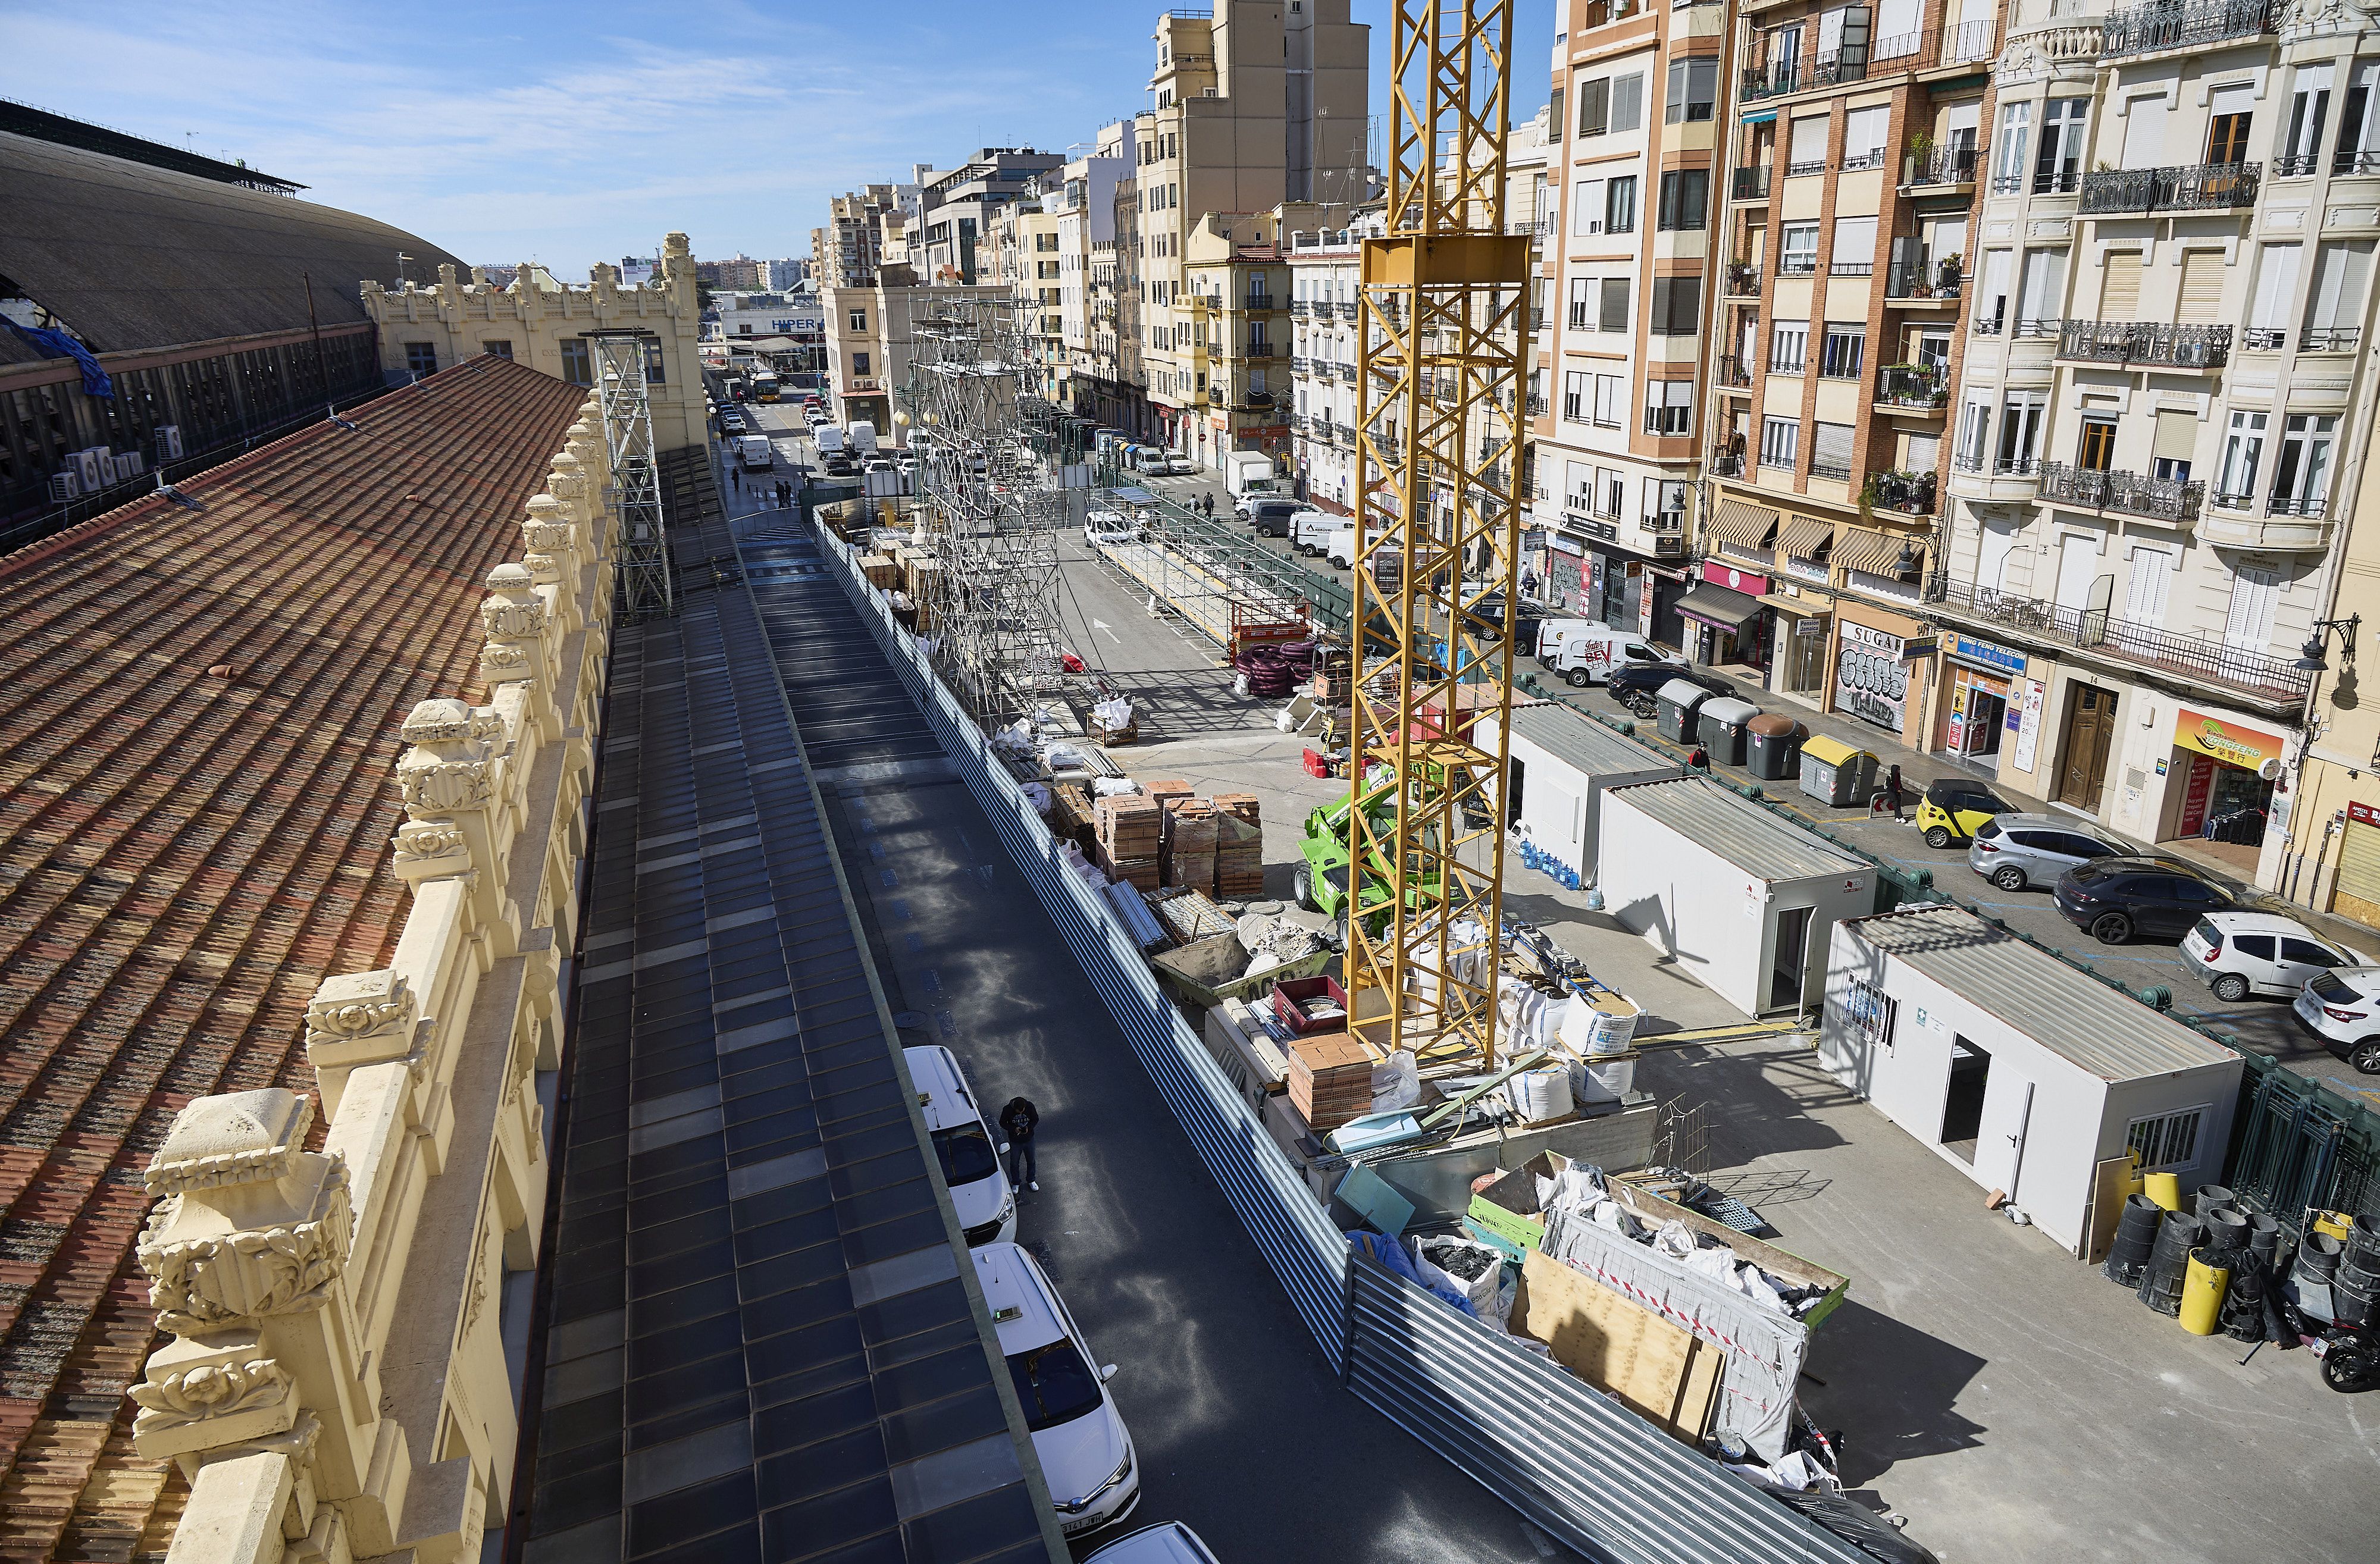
<point>1804,536</point>
<point>1878,553</point>
<point>1809,605</point>
<point>1763,116</point>
<point>1719,607</point>
<point>1746,527</point>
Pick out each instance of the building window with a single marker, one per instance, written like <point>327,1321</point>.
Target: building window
<point>496,348</point>
<point>1676,306</point>
<point>576,366</point>
<point>1670,408</point>
<point>2058,164</point>
<point>1581,304</point>
<point>1801,257</point>
<point>1789,348</point>
<point>1619,205</point>
<point>1974,439</point>
<point>2008,172</point>
<point>421,358</point>
<point>859,363</point>
<point>1693,89</point>
<point>2301,478</point>
<point>1628,101</point>
<point>1780,442</point>
<point>1845,350</point>
<point>859,320</point>
<point>1610,400</point>
<point>1615,305</point>
<point>2096,453</point>
<point>1594,107</point>
<point>2167,1142</point>
<point>654,362</point>
<point>1610,491</point>
<point>1574,396</point>
<point>1864,133</point>
<point>1685,199</point>
<point>2244,450</point>
<point>2021,419</point>
<point>1830,452</point>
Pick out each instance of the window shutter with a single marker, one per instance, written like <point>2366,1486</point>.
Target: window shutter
<point>1831,447</point>
<point>2202,285</point>
<point>1864,131</point>
<point>1628,102</point>
<point>2120,287</point>
<point>1615,305</point>
<point>2250,625</point>
<point>1594,107</point>
<point>2145,131</point>
<point>2177,435</point>
<point>1554,120</point>
<point>1809,139</point>
<point>2277,285</point>
<point>1854,241</point>
<point>2152,574</point>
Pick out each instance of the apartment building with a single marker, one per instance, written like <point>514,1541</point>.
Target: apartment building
<point>1854,136</point>
<point>2331,860</point>
<point>1634,134</point>
<point>1253,105</point>
<point>1084,201</point>
<point>869,337</point>
<point>1326,271</point>
<point>847,253</point>
<point>1116,394</point>
<point>2160,423</point>
<point>1237,302</point>
<point>1023,257</point>
<point>955,208</point>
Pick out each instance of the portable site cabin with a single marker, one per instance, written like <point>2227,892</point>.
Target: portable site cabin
<point>2029,1076</point>
<point>1562,761</point>
<point>1740,898</point>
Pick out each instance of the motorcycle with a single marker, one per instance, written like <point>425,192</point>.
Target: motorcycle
<point>2351,1359</point>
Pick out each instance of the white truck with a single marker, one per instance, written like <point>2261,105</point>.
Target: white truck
<point>1584,652</point>
<point>754,453</point>
<point>863,438</point>
<point>1251,472</point>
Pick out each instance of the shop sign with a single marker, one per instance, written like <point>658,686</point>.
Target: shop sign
<point>2364,814</point>
<point>2227,742</point>
<point>2026,702</point>
<point>1871,680</point>
<point>1734,580</point>
<point>1812,628</point>
<point>1566,544</point>
<point>1985,654</point>
<point>1603,531</point>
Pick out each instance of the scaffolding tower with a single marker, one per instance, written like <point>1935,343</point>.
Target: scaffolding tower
<point>1443,341</point>
<point>990,515</point>
<point>635,495</point>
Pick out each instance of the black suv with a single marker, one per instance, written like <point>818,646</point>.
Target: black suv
<point>1646,679</point>
<point>2116,898</point>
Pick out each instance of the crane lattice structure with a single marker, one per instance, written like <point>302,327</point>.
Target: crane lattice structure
<point>1444,343</point>
<point>636,492</point>
<point>990,519</point>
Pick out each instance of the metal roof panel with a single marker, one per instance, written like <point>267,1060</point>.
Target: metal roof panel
<point>1763,845</point>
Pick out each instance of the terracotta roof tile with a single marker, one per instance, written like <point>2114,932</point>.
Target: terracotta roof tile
<point>184,857</point>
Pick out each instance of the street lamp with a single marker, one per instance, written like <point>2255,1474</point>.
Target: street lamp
<point>2310,658</point>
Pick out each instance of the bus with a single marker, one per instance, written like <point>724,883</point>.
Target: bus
<point>764,387</point>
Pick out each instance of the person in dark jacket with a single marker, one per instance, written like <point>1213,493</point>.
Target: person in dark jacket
<point>1893,794</point>
<point>1017,1123</point>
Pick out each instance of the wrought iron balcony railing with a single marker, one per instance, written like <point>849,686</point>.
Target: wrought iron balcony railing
<point>1298,307</point>
<point>2146,342</point>
<point>1940,280</point>
<point>1791,74</point>
<point>2200,187</point>
<point>1839,471</point>
<point>2161,498</point>
<point>1257,301</point>
<point>1752,184</point>
<point>1347,309</point>
<point>1906,493</point>
<point>1732,372</point>
<point>2145,29</point>
<point>2268,679</point>
<point>1742,280</point>
<point>1913,386</point>
<point>1945,165</point>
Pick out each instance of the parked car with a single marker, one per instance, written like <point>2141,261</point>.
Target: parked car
<point>1087,1455</point>
<point>1173,1542</point>
<point>1584,652</point>
<point>1489,609</point>
<point>1646,679</point>
<point>2115,899</point>
<point>963,1142</point>
<point>2236,954</point>
<point>2342,1008</point>
<point>2017,852</point>
<point>1270,518</point>
<point>1955,808</point>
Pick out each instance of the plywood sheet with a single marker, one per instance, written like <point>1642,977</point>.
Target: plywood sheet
<point>2109,1182</point>
<point>1660,1370</point>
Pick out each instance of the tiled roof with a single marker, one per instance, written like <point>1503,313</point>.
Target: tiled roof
<point>195,795</point>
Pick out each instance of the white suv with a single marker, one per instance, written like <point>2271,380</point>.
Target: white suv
<point>2236,954</point>
<point>979,1192</point>
<point>1171,1542</point>
<point>2342,1008</point>
<point>1087,1456</point>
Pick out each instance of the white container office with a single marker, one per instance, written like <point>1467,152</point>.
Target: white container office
<point>1562,761</point>
<point>1742,898</point>
<point>2025,1075</point>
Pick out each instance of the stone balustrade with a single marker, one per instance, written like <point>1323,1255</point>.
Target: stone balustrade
<point>335,1386</point>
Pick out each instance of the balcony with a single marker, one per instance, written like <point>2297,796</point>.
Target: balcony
<point>1838,472</point>
<point>1941,168</point>
<point>1298,307</point>
<point>2160,499</point>
<point>1732,373</point>
<point>2330,339</point>
<point>1256,302</point>
<point>1752,184</point>
<point>1347,309</point>
<point>1903,493</point>
<point>1924,387</point>
<point>2146,342</point>
<point>1301,366</point>
<point>1783,77</point>
<point>2147,29</point>
<point>1851,269</point>
<point>2200,187</point>
<point>1742,280</point>
<point>1726,464</point>
<point>2264,339</point>
<point>1969,40</point>
<point>1923,283</point>
<point>1798,266</point>
<point>2265,679</point>
<point>1255,350</point>
<point>2278,522</point>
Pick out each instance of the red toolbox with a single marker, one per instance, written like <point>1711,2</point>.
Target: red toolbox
<point>1295,998</point>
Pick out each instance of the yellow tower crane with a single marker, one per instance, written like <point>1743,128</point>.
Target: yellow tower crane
<point>1445,342</point>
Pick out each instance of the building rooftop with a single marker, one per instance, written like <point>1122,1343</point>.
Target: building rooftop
<point>131,256</point>
<point>203,709</point>
<point>1764,845</point>
<point>24,119</point>
<point>1577,739</point>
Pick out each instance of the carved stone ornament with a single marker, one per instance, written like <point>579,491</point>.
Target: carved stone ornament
<point>239,1137</point>
<point>438,787</point>
<point>207,1282</point>
<point>506,662</point>
<point>543,568</point>
<point>358,1007</point>
<point>209,1390</point>
<point>442,720</point>
<point>422,841</point>
<point>513,611</point>
<point>550,533</point>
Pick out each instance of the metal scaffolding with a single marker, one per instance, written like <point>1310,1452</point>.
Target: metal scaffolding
<point>1444,343</point>
<point>991,461</point>
<point>635,495</point>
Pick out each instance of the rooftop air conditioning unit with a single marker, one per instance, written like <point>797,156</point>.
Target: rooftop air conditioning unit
<point>169,442</point>
<point>132,464</point>
<point>94,462</point>
<point>65,486</point>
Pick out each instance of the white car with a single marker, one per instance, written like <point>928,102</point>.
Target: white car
<point>1109,527</point>
<point>2342,1008</point>
<point>2236,954</point>
<point>1173,1542</point>
<point>1085,1453</point>
<point>979,1192</point>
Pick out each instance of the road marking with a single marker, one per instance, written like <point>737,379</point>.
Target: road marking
<point>1101,626</point>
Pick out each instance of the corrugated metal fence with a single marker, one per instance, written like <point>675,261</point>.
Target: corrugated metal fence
<point>1589,1472</point>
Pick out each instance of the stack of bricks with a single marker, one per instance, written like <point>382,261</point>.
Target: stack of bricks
<point>1166,792</point>
<point>1130,839</point>
<point>1070,816</point>
<point>1239,847</point>
<point>1190,842</point>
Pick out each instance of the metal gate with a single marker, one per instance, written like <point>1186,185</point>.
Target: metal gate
<point>2298,1152</point>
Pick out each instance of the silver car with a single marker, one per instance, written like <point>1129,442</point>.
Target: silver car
<point>2015,852</point>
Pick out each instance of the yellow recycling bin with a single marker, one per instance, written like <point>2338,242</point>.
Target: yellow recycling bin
<point>2201,1295</point>
<point>2338,1224</point>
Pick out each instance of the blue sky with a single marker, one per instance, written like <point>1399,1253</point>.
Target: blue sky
<point>573,133</point>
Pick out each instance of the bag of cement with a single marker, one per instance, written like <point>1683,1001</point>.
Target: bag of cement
<point>1396,1082</point>
<point>1113,787</point>
<point>1540,1095</point>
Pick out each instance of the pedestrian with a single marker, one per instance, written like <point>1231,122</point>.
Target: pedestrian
<point>736,477</point>
<point>1528,583</point>
<point>1207,505</point>
<point>1892,795</point>
<point>1016,1122</point>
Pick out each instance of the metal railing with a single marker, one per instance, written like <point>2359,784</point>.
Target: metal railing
<point>2268,678</point>
<point>1257,301</point>
<point>1805,168</point>
<point>2297,505</point>
<point>1255,350</point>
<point>2355,161</point>
<point>1297,306</point>
<point>1779,78</point>
<point>2264,338</point>
<point>2146,342</point>
<point>1850,268</point>
<point>2330,339</point>
<point>1752,184</point>
<point>1726,464</point>
<point>2200,187</point>
<point>1742,280</point>
<point>1348,308</point>
<point>2292,165</point>
<point>1940,280</point>
<point>1872,158</point>
<point>1798,266</point>
<point>2145,29</point>
<point>1946,165</point>
<point>1301,365</point>
<point>1840,472</point>
<point>2164,499</point>
<point>1733,370</point>
<point>1905,493</point>
<point>1913,386</point>
<point>1969,40</point>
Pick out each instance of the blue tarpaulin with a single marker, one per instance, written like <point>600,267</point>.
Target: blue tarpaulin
<point>57,345</point>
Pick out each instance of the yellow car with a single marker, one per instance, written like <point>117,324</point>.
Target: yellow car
<point>1955,808</point>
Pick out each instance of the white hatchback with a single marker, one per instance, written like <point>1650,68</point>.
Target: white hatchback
<point>2236,954</point>
<point>1085,1453</point>
<point>979,1192</point>
<point>1173,1542</point>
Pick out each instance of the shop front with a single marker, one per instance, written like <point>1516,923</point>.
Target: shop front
<point>1725,619</point>
<point>2355,892</point>
<point>1802,620</point>
<point>1564,588</point>
<point>1658,592</point>
<point>1880,672</point>
<point>1986,690</point>
<point>2220,780</point>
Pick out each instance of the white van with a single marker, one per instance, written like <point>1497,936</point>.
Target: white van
<point>1310,531</point>
<point>829,438</point>
<point>754,453</point>
<point>1584,652</point>
<point>979,1192</point>
<point>863,437</point>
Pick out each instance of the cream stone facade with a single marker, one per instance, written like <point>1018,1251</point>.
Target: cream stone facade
<point>539,321</point>
<point>335,1386</point>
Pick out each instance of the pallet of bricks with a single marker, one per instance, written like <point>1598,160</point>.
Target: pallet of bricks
<point>1130,839</point>
<point>1070,818</point>
<point>918,576</point>
<point>1188,836</point>
<point>1239,848</point>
